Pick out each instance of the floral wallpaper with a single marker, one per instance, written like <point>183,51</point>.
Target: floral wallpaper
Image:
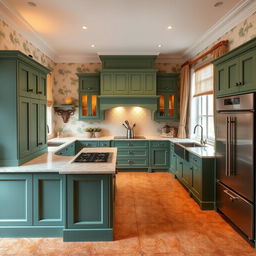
<point>11,40</point>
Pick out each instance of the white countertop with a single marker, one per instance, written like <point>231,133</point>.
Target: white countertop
<point>92,168</point>
<point>49,162</point>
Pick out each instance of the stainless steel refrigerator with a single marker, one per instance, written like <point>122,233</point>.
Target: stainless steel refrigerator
<point>235,161</point>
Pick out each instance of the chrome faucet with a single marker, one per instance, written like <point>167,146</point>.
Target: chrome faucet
<point>202,141</point>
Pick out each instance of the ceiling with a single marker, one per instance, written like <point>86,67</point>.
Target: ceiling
<point>120,26</point>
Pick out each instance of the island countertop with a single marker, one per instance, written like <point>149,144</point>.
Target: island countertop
<point>92,168</point>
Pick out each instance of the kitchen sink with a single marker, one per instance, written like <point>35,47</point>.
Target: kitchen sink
<point>190,144</point>
<point>54,144</point>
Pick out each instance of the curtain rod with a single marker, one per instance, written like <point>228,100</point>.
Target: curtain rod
<point>191,62</point>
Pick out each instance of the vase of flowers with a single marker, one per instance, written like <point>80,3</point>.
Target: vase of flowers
<point>97,132</point>
<point>88,132</point>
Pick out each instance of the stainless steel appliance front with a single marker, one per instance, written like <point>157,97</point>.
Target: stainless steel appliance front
<point>235,156</point>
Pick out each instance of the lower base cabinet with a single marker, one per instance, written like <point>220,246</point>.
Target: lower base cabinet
<point>77,207</point>
<point>197,175</point>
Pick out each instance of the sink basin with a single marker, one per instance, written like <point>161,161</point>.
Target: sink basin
<point>190,144</point>
<point>54,144</point>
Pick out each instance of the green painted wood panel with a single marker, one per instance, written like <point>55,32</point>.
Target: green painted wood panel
<point>24,80</point>
<point>42,86</point>
<point>150,84</point>
<point>173,162</point>
<point>107,84</point>
<point>34,83</point>
<point>49,199</point>
<point>89,82</point>
<point>187,174</point>
<point>196,184</point>
<point>104,143</point>
<point>160,157</point>
<point>42,124</point>
<point>34,125</point>
<point>247,71</point>
<point>24,126</point>
<point>89,201</point>
<point>136,84</point>
<point>233,75</point>
<point>15,199</point>
<point>123,152</point>
<point>121,84</point>
<point>221,79</point>
<point>85,144</point>
<point>130,143</point>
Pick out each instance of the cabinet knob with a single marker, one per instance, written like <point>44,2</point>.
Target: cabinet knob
<point>181,163</point>
<point>191,168</point>
<point>240,83</point>
<point>237,84</point>
<point>39,92</point>
<point>130,152</point>
<point>40,144</point>
<point>89,88</point>
<point>129,161</point>
<point>30,90</point>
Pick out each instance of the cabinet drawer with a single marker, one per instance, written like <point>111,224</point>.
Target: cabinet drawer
<point>90,83</point>
<point>238,210</point>
<point>159,144</point>
<point>132,162</point>
<point>129,143</point>
<point>195,159</point>
<point>122,152</point>
<point>105,143</point>
<point>88,144</point>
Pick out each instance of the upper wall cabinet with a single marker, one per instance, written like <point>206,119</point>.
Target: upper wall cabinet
<point>167,89</point>
<point>235,71</point>
<point>23,108</point>
<point>89,87</point>
<point>128,82</point>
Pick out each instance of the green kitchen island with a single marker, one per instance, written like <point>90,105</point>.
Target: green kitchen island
<point>76,202</point>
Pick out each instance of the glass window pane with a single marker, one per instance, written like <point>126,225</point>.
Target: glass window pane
<point>210,105</point>
<point>84,105</point>
<point>171,105</point>
<point>210,127</point>
<point>204,105</point>
<point>161,105</point>
<point>94,105</point>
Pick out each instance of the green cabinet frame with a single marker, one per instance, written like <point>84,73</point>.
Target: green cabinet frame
<point>49,204</point>
<point>235,71</point>
<point>128,82</point>
<point>167,85</point>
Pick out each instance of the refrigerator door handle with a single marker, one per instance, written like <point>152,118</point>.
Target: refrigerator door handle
<point>230,158</point>
<point>227,147</point>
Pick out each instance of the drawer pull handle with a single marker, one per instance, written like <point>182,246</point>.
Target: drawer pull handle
<point>39,92</point>
<point>191,168</point>
<point>195,160</point>
<point>231,197</point>
<point>89,88</point>
<point>129,144</point>
<point>87,145</point>
<point>130,152</point>
<point>30,90</point>
<point>40,144</point>
<point>130,161</point>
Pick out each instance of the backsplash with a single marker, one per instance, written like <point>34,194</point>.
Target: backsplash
<point>112,125</point>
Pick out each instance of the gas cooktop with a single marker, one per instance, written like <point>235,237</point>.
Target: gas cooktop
<point>92,157</point>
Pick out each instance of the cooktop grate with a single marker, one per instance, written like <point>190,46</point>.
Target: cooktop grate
<point>92,157</point>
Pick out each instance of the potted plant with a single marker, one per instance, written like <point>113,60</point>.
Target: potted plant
<point>97,132</point>
<point>88,132</point>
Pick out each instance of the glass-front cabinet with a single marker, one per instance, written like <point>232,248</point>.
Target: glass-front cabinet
<point>168,97</point>
<point>89,88</point>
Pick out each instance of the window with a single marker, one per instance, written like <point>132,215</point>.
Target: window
<point>202,104</point>
<point>49,121</point>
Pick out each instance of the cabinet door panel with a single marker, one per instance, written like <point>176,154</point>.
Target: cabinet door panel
<point>197,181</point>
<point>160,157</point>
<point>106,84</point>
<point>247,71</point>
<point>233,75</point>
<point>121,84</point>
<point>24,126</point>
<point>221,80</point>
<point>34,125</point>
<point>88,201</point>
<point>136,84</point>
<point>34,83</point>
<point>89,84</point>
<point>42,139</point>
<point>49,199</point>
<point>16,199</point>
<point>42,90</point>
<point>187,174</point>
<point>150,84</point>
<point>23,80</point>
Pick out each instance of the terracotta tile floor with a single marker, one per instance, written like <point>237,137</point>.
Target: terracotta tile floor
<point>154,216</point>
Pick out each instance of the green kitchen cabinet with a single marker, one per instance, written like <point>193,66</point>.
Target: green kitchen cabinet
<point>32,119</point>
<point>104,143</point>
<point>167,89</point>
<point>23,108</point>
<point>128,82</point>
<point>49,193</point>
<point>198,176</point>
<point>80,144</point>
<point>173,159</point>
<point>88,201</point>
<point>89,106</point>
<point>69,150</point>
<point>235,71</point>
<point>16,200</point>
<point>159,154</point>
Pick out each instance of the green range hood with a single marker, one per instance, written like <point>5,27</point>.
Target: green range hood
<point>149,102</point>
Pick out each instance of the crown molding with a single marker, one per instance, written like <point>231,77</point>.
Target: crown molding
<point>128,53</point>
<point>20,25</point>
<point>93,58</point>
<point>235,16</point>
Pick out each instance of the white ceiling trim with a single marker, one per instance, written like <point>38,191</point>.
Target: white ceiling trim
<point>13,18</point>
<point>236,15</point>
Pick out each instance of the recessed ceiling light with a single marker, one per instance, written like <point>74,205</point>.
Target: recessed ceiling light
<point>84,27</point>
<point>217,4</point>
<point>32,4</point>
<point>169,27</point>
<point>159,46</point>
<point>93,45</point>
